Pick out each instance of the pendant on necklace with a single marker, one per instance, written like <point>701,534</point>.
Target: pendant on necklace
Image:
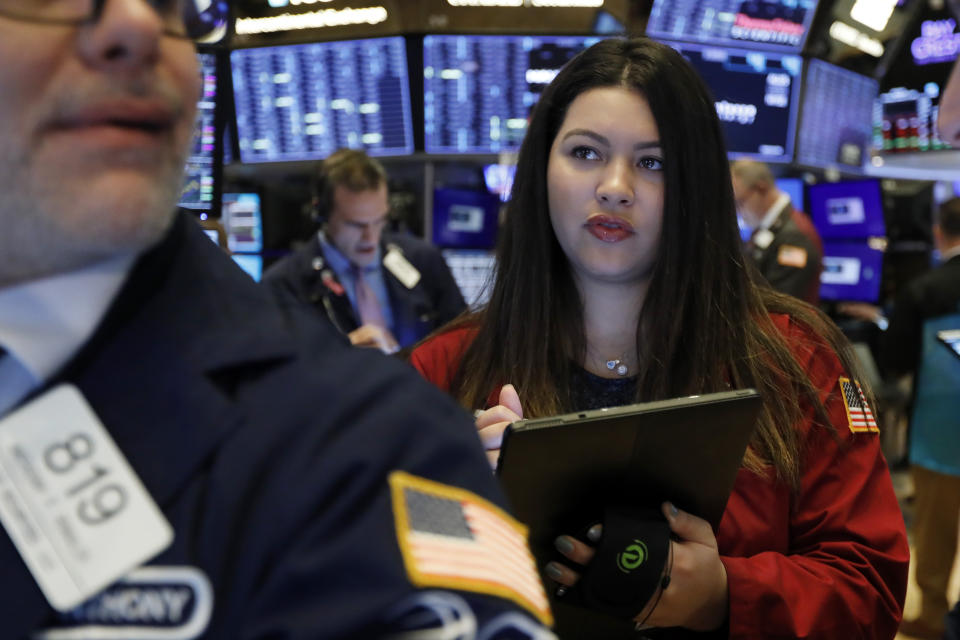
<point>616,365</point>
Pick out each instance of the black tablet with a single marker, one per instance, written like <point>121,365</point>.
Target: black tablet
<point>559,472</point>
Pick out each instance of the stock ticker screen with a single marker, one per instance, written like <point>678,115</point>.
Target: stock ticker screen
<point>835,116</point>
<point>905,120</point>
<point>302,102</point>
<point>756,95</point>
<point>198,192</point>
<point>479,91</point>
<point>780,24</point>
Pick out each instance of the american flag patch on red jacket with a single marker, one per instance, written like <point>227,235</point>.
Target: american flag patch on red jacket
<point>859,416</point>
<point>453,539</point>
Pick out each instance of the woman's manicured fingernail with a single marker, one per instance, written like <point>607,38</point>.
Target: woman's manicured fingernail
<point>595,532</point>
<point>674,512</point>
<point>563,544</point>
<point>553,571</point>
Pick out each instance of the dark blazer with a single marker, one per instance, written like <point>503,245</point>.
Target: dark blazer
<point>933,294</point>
<point>266,441</point>
<point>433,302</point>
<point>791,229</point>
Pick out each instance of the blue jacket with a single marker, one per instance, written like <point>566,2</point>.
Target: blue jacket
<point>928,304</point>
<point>266,440</point>
<point>417,311</point>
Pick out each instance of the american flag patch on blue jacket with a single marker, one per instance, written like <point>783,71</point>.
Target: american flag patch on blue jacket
<point>452,538</point>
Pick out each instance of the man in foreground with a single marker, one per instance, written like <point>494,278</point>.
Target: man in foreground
<point>182,454</point>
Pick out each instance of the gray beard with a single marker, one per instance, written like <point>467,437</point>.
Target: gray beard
<point>44,231</point>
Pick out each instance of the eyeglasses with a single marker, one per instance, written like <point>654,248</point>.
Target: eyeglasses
<point>203,21</point>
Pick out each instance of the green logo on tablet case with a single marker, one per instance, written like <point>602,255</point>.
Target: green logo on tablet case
<point>632,557</point>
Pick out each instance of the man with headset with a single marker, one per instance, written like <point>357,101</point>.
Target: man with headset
<point>383,290</point>
<point>184,454</point>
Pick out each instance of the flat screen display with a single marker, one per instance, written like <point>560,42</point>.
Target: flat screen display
<point>464,218</point>
<point>479,91</point>
<point>473,270</point>
<point>243,222</point>
<point>756,95</point>
<point>199,186</point>
<point>252,264</point>
<point>905,119</point>
<point>793,187</point>
<point>835,116</point>
<point>303,102</point>
<point>499,179</point>
<point>851,271</point>
<point>847,210</point>
<point>777,24</point>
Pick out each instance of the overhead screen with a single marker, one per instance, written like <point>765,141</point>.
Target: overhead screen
<point>756,95</point>
<point>302,102</point>
<point>835,116</point>
<point>776,24</point>
<point>905,119</point>
<point>465,219</point>
<point>479,91</point>
<point>199,191</point>
<point>243,222</point>
<point>851,271</point>
<point>847,210</point>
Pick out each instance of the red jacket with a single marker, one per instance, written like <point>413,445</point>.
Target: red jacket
<point>829,561</point>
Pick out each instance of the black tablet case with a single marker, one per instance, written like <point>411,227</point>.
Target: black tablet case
<point>559,472</point>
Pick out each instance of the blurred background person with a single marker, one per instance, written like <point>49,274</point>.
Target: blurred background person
<point>783,244</point>
<point>381,289</point>
<point>912,346</point>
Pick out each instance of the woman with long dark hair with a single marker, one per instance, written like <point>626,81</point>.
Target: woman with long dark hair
<point>620,279</point>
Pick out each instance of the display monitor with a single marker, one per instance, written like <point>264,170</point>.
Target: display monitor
<point>756,95</point>
<point>835,116</point>
<point>499,179</point>
<point>851,271</point>
<point>251,263</point>
<point>606,23</point>
<point>847,210</point>
<point>464,218</point>
<point>213,235</point>
<point>243,222</point>
<point>200,185</point>
<point>479,91</point>
<point>793,187</point>
<point>905,119</point>
<point>303,102</point>
<point>473,270</point>
<point>775,24</point>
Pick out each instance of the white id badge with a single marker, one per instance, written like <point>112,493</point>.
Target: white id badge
<point>70,501</point>
<point>401,268</point>
<point>763,238</point>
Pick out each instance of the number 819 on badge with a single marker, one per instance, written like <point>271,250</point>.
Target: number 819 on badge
<point>76,510</point>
